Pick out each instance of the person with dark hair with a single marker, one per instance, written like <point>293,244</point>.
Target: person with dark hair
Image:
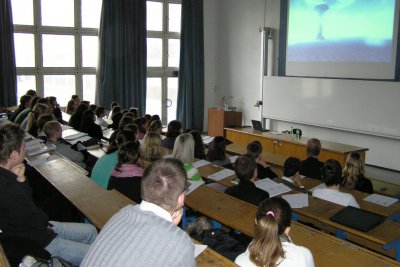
<point>134,111</point>
<point>291,175</point>
<point>311,167</point>
<point>155,126</point>
<point>30,123</point>
<point>246,190</point>
<point>76,99</point>
<point>114,109</point>
<point>102,169</point>
<point>21,219</point>
<point>89,126</point>
<point>148,119</point>
<point>142,124</point>
<point>216,152</point>
<point>139,232</point>
<point>100,114</point>
<point>116,118</point>
<point>331,175</point>
<point>174,129</point>
<point>353,174</point>
<point>24,103</point>
<point>127,174</point>
<point>40,125</point>
<point>155,117</point>
<point>53,131</point>
<point>24,113</point>
<point>76,118</point>
<point>56,109</point>
<point>254,150</point>
<point>272,245</point>
<point>199,151</point>
<point>31,92</point>
<point>122,123</point>
<point>92,107</point>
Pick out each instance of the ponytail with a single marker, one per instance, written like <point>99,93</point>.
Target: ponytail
<point>128,153</point>
<point>272,218</point>
<point>266,248</point>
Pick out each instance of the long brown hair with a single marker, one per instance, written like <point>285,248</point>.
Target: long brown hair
<point>353,168</point>
<point>272,218</point>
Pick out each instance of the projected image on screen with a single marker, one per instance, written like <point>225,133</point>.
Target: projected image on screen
<point>341,31</point>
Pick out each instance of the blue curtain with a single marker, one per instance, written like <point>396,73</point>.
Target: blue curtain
<point>190,107</point>
<point>8,80</point>
<point>121,72</point>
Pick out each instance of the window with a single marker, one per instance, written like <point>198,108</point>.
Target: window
<point>163,50</point>
<point>56,44</point>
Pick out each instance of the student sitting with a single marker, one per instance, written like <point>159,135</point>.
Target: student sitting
<point>353,174</point>
<point>311,167</point>
<point>125,120</point>
<point>88,126</point>
<point>246,171</point>
<point>174,129</point>
<point>184,151</point>
<point>71,107</point>
<point>116,118</point>
<point>76,118</point>
<point>151,149</point>
<point>199,151</point>
<point>291,175</point>
<point>56,109</point>
<point>331,174</point>
<point>53,131</point>
<point>24,103</point>
<point>24,113</point>
<point>40,125</point>
<point>127,174</point>
<point>100,114</point>
<point>21,219</point>
<point>101,171</point>
<point>254,150</point>
<point>271,245</point>
<point>155,126</point>
<point>216,153</point>
<point>30,123</point>
<point>112,110</point>
<point>142,126</point>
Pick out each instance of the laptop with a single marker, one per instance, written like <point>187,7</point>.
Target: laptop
<point>358,219</point>
<point>257,126</point>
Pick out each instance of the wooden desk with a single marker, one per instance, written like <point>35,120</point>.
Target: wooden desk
<point>288,146</point>
<point>327,250</point>
<point>99,205</point>
<point>273,158</point>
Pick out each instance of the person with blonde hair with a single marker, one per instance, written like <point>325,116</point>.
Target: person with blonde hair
<point>271,245</point>
<point>30,122</point>
<point>151,149</point>
<point>353,174</point>
<point>184,151</point>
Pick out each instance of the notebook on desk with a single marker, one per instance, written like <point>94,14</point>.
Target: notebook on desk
<point>257,126</point>
<point>358,219</point>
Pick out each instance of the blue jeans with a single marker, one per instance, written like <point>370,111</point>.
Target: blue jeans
<point>72,242</point>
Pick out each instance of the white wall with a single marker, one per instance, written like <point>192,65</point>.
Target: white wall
<point>232,64</point>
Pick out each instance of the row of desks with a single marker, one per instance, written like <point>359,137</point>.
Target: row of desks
<point>99,205</point>
<point>326,249</point>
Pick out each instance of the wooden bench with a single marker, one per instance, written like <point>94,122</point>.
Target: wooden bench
<point>327,250</point>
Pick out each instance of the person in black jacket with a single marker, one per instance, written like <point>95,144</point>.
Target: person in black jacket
<point>353,174</point>
<point>21,219</point>
<point>311,167</point>
<point>89,126</point>
<point>24,102</point>
<point>254,150</point>
<point>245,169</point>
<point>76,117</point>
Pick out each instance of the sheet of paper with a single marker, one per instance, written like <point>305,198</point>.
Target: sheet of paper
<point>272,187</point>
<point>200,163</point>
<point>65,127</point>
<point>233,159</point>
<point>193,186</point>
<point>322,185</point>
<point>198,249</point>
<point>73,136</point>
<point>297,201</point>
<point>207,139</point>
<point>381,200</point>
<point>221,174</point>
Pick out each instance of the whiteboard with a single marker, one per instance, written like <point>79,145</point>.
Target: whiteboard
<point>369,107</point>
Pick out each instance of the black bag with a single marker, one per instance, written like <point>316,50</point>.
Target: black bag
<point>222,243</point>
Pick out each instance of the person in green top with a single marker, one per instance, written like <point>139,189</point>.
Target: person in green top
<point>184,151</point>
<point>104,166</point>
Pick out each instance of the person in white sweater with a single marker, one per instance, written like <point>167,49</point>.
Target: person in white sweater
<point>147,234</point>
<point>271,245</point>
<point>331,175</point>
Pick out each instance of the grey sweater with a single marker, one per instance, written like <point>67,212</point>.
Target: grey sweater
<point>133,237</point>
